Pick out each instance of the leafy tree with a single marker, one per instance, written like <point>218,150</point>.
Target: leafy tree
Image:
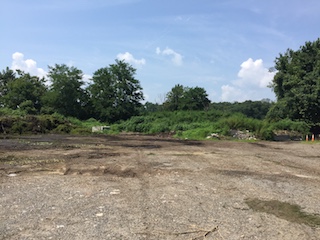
<point>195,99</point>
<point>66,95</point>
<point>252,109</point>
<point>297,84</point>
<point>115,92</point>
<point>6,76</point>
<point>25,92</point>
<point>151,107</point>
<point>185,98</point>
<point>175,99</point>
<point>221,106</point>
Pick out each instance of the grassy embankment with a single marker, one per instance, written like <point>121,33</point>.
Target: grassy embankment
<point>182,124</point>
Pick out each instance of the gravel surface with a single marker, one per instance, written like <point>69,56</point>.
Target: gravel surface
<point>148,187</point>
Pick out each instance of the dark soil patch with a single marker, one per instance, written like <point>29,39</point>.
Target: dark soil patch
<point>283,210</point>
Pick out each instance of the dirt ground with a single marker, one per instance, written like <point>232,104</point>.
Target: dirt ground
<point>149,187</point>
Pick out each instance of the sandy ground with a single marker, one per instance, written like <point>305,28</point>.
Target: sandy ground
<point>148,187</point>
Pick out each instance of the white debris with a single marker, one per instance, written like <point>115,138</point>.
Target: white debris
<point>115,191</point>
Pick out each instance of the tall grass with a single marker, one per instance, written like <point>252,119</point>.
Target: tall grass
<point>184,124</point>
<point>200,124</point>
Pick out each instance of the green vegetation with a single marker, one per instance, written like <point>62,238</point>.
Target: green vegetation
<point>200,124</point>
<point>185,98</point>
<point>287,211</point>
<point>114,94</point>
<point>21,123</point>
<point>64,103</point>
<point>297,85</point>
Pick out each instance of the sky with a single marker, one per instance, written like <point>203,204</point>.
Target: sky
<point>223,46</point>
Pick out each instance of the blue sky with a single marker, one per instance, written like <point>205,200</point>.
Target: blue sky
<point>224,46</point>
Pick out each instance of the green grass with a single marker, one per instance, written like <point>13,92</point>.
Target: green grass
<point>197,125</point>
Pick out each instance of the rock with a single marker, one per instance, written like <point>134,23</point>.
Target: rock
<point>115,191</point>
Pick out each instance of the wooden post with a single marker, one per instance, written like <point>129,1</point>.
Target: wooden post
<point>307,138</point>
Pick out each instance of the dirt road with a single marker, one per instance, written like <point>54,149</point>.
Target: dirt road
<point>147,187</point>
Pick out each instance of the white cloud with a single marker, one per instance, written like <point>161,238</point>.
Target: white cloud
<point>252,83</point>
<point>28,65</point>
<point>232,94</point>
<point>254,73</point>
<point>128,57</point>
<point>176,57</point>
<point>87,79</point>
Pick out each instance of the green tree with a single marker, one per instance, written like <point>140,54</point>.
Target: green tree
<point>149,107</point>
<point>297,84</point>
<point>195,99</point>
<point>253,109</point>
<point>6,76</point>
<point>67,95</point>
<point>185,98</point>
<point>115,93</point>
<point>24,92</point>
<point>175,98</point>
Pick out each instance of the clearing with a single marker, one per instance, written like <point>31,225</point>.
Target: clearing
<point>151,187</point>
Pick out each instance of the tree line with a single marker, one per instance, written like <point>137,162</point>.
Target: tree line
<point>115,94</point>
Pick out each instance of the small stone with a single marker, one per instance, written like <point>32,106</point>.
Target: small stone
<point>115,191</point>
<point>99,214</point>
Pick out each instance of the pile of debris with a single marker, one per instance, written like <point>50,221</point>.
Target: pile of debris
<point>213,135</point>
<point>243,135</point>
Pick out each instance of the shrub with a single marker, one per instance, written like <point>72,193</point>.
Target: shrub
<point>11,112</point>
<point>63,128</point>
<point>287,124</point>
<point>159,128</point>
<point>265,133</point>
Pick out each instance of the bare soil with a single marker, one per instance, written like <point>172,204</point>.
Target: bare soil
<point>151,187</point>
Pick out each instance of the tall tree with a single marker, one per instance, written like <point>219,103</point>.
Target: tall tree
<point>297,84</point>
<point>6,76</point>
<point>175,98</point>
<point>185,98</point>
<point>24,92</point>
<point>67,95</point>
<point>115,92</point>
<point>196,99</point>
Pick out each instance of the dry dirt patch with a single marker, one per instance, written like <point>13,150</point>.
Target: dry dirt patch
<point>147,187</point>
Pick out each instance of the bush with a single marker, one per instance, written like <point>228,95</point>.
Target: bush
<point>287,124</point>
<point>8,112</point>
<point>265,133</point>
<point>19,127</point>
<point>63,128</point>
<point>159,128</point>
